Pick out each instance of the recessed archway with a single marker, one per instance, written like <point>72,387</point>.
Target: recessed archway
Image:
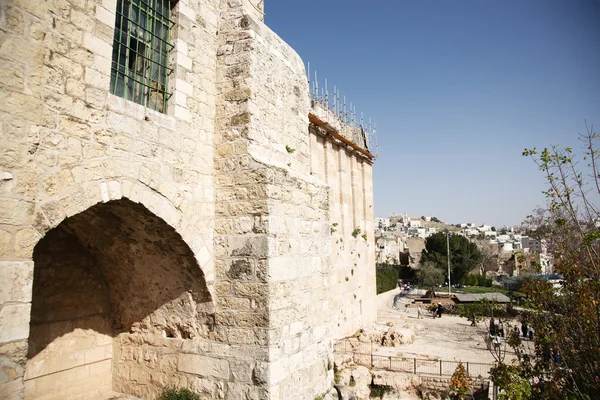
<point>115,291</point>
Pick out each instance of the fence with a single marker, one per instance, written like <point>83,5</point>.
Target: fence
<point>362,354</point>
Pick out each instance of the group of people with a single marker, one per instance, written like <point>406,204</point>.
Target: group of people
<point>526,330</point>
<point>436,310</point>
<point>497,329</point>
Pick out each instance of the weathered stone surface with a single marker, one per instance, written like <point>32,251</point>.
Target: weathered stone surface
<point>16,279</point>
<point>15,212</point>
<point>5,243</point>
<point>397,336</point>
<point>14,319</point>
<point>203,366</point>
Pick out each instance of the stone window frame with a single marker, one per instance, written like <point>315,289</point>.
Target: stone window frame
<point>140,61</point>
<point>179,60</point>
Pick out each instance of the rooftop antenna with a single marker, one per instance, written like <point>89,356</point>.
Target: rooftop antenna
<point>326,94</point>
<point>334,101</point>
<point>316,87</point>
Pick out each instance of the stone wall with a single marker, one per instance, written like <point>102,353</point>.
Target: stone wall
<point>272,217</point>
<point>349,177</point>
<point>66,145</point>
<point>202,238</point>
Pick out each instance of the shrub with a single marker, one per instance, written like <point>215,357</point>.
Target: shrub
<point>459,383</point>
<point>177,394</point>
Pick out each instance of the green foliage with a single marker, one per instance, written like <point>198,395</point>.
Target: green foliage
<point>386,278</point>
<point>429,275</point>
<point>364,236</point>
<point>476,280</point>
<point>378,391</point>
<point>464,255</point>
<point>337,375</point>
<point>509,377</point>
<point>177,394</point>
<point>352,382</point>
<point>356,232</point>
<point>479,310</point>
<point>289,149</point>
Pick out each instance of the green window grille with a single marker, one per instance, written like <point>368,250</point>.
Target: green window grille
<point>141,49</point>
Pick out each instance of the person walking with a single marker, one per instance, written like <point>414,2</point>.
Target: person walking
<point>419,313</point>
<point>492,327</point>
<point>530,331</point>
<point>524,329</point>
<point>500,328</point>
<point>440,309</point>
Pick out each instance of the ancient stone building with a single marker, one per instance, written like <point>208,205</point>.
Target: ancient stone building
<point>174,211</point>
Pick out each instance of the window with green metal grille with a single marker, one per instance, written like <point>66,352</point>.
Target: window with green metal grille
<point>141,49</point>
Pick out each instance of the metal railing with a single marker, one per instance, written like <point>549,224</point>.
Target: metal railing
<point>363,354</point>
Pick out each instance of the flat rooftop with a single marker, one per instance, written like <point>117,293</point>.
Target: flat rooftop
<point>471,298</point>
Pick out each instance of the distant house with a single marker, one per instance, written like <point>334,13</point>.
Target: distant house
<point>507,246</point>
<point>382,223</point>
<point>415,223</point>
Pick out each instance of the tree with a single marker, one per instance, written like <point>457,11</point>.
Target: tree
<point>464,255</point>
<point>565,362</point>
<point>489,257</point>
<point>429,275</point>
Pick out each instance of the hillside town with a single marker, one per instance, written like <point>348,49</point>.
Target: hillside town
<point>400,240</point>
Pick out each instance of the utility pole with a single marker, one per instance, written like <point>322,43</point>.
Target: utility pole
<point>448,249</point>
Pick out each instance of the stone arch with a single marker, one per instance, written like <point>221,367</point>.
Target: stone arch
<point>116,290</point>
<point>165,204</point>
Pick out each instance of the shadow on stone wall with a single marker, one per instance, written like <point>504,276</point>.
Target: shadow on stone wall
<point>117,268</point>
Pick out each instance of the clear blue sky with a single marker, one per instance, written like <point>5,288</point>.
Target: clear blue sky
<point>458,89</point>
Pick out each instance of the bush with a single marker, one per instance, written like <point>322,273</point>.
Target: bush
<point>177,394</point>
<point>460,385</point>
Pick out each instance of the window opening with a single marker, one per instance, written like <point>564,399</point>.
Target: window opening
<point>141,49</point>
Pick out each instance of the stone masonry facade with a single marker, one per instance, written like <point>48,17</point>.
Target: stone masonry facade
<point>221,246</point>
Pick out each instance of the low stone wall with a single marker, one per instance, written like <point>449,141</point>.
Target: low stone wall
<point>434,384</point>
<point>383,298</point>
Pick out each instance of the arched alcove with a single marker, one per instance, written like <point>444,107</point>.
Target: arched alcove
<point>115,291</point>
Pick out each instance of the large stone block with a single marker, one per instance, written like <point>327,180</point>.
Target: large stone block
<point>14,320</point>
<point>203,366</point>
<point>16,212</point>
<point>16,280</point>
